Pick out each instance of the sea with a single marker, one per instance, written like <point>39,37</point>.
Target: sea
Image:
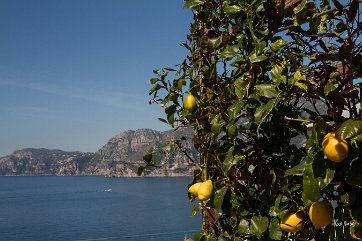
<point>92,208</point>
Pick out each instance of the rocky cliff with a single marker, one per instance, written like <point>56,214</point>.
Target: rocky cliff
<point>42,161</point>
<point>120,156</point>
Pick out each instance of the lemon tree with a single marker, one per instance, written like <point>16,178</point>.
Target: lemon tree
<point>272,90</point>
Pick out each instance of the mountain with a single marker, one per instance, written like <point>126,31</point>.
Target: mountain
<point>42,161</point>
<point>120,156</point>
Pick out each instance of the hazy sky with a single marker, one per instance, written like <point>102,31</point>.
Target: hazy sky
<point>74,73</point>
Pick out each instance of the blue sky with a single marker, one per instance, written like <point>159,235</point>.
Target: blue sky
<point>74,73</point>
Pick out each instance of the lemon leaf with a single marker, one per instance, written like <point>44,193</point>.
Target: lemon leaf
<point>276,74</point>
<point>296,170</point>
<point>195,210</point>
<point>329,88</point>
<point>216,124</point>
<point>267,90</point>
<point>234,110</point>
<point>300,7</point>
<point>275,46</point>
<point>233,9</point>
<point>258,225</point>
<point>229,160</point>
<point>254,58</point>
<point>263,111</point>
<point>310,189</point>
<point>242,85</point>
<point>274,231</point>
<point>213,43</point>
<point>349,129</point>
<point>243,227</point>
<point>230,52</point>
<point>192,3</point>
<point>219,197</point>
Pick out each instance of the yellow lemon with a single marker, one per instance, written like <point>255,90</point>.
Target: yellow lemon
<point>194,188</point>
<point>205,190</point>
<point>321,214</point>
<point>189,102</point>
<point>334,148</point>
<point>292,222</point>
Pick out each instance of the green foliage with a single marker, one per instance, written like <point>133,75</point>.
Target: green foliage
<point>268,88</point>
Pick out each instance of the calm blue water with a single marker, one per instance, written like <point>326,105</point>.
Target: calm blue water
<point>95,208</point>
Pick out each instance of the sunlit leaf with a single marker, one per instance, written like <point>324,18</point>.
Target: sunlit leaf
<point>192,3</point>
<point>234,110</point>
<point>300,7</point>
<point>357,138</point>
<point>274,231</point>
<point>216,124</point>
<point>258,225</point>
<point>242,87</point>
<point>267,90</point>
<point>254,58</point>
<point>229,160</point>
<point>232,9</point>
<point>230,51</point>
<point>349,129</point>
<point>328,88</point>
<point>276,74</point>
<point>275,46</point>
<point>214,42</point>
<point>296,170</point>
<point>243,227</point>
<point>299,78</point>
<point>231,129</point>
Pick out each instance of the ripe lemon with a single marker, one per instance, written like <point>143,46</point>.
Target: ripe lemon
<point>292,222</point>
<point>205,190</point>
<point>321,214</point>
<point>189,102</point>
<point>194,188</point>
<point>334,148</point>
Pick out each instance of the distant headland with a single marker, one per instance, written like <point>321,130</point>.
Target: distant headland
<point>119,157</point>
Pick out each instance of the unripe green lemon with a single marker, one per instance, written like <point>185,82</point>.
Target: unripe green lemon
<point>189,102</point>
<point>292,222</point>
<point>334,148</point>
<point>321,214</point>
<point>194,188</point>
<point>205,190</point>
